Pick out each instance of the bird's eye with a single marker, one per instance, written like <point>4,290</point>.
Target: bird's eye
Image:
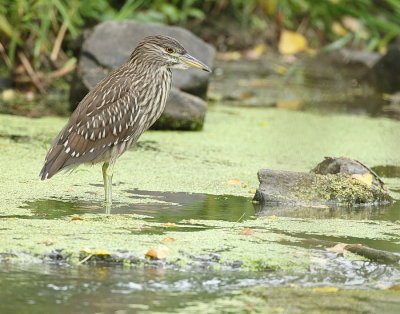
<point>169,50</point>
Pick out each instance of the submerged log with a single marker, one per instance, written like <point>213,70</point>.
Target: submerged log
<point>379,256</point>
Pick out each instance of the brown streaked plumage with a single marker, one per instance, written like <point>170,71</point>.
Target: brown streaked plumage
<point>119,109</point>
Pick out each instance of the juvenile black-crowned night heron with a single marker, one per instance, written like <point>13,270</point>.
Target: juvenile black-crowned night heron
<point>119,109</point>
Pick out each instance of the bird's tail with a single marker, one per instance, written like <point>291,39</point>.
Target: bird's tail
<point>54,162</point>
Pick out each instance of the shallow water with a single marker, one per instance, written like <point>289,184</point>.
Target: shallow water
<point>88,289</point>
<point>176,206</point>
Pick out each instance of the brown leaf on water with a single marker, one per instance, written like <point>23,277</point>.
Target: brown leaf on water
<point>77,218</point>
<point>290,104</point>
<point>341,247</point>
<point>48,242</point>
<point>325,289</point>
<point>233,182</point>
<point>338,248</point>
<point>246,231</point>
<point>394,287</point>
<point>169,239</point>
<point>246,95</point>
<point>159,253</point>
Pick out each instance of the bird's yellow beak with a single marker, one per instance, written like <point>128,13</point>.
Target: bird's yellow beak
<point>192,62</point>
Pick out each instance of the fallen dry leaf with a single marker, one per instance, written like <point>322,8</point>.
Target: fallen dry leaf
<point>246,95</point>
<point>365,178</point>
<point>246,231</point>
<point>169,225</point>
<point>290,104</point>
<point>159,253</point>
<point>233,182</point>
<point>77,218</point>
<point>168,239</point>
<point>269,217</point>
<point>256,52</point>
<point>100,252</point>
<point>48,242</point>
<point>245,185</point>
<point>94,252</point>
<point>338,29</point>
<point>291,43</point>
<point>280,69</point>
<point>394,287</point>
<point>338,248</point>
<point>325,289</point>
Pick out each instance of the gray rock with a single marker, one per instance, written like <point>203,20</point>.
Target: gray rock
<point>384,76</point>
<point>110,43</point>
<point>311,189</point>
<point>345,165</point>
<point>182,112</point>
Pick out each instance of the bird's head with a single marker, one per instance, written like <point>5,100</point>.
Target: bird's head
<point>166,51</point>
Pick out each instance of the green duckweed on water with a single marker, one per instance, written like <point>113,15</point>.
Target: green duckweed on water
<point>300,300</point>
<point>233,146</point>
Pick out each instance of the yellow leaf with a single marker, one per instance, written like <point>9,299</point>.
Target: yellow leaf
<point>280,69</point>
<point>169,225</point>
<point>289,104</point>
<point>365,178</point>
<point>263,123</point>
<point>100,252</point>
<point>86,251</point>
<point>256,52</point>
<point>168,239</point>
<point>233,182</point>
<point>8,94</point>
<point>159,253</point>
<point>338,29</point>
<point>94,252</point>
<point>291,43</point>
<point>269,217</point>
<point>325,289</point>
<point>269,6</point>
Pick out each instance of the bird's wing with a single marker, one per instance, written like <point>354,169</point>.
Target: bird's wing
<point>106,116</point>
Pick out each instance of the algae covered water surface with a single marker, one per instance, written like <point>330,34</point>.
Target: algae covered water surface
<point>188,195</point>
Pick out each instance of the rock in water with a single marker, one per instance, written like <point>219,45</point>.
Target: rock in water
<point>110,43</point>
<point>182,112</point>
<point>384,76</point>
<point>335,182</point>
<point>345,165</point>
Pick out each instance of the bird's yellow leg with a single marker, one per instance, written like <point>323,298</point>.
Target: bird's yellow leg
<point>107,178</point>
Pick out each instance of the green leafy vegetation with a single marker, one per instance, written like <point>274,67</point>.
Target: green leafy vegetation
<point>36,35</point>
